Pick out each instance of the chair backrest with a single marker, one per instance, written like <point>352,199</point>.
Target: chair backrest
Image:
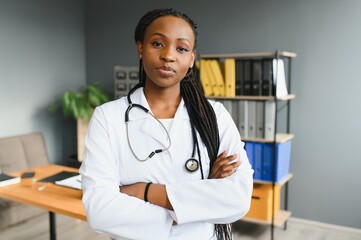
<point>22,152</point>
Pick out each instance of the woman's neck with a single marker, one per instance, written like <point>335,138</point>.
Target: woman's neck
<point>163,103</point>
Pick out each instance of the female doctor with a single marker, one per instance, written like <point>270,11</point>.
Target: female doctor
<point>164,162</point>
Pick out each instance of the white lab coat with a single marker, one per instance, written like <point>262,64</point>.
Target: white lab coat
<point>198,204</point>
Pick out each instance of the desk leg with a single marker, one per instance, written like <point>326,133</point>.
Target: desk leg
<point>52,226</point>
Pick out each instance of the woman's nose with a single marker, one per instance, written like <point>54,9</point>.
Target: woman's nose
<point>167,55</point>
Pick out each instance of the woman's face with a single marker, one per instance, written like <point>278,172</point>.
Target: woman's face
<point>167,51</point>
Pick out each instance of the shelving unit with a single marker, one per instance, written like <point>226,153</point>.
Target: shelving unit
<point>255,98</point>
<point>279,217</point>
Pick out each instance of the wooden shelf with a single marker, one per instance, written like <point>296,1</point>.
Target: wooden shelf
<point>280,138</point>
<point>250,55</point>
<point>281,182</point>
<point>253,98</point>
<point>280,219</point>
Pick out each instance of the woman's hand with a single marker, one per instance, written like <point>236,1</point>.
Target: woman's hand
<point>222,167</point>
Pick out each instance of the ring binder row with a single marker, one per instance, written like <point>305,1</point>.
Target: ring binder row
<point>229,77</point>
<point>125,78</point>
<point>261,157</point>
<point>254,119</point>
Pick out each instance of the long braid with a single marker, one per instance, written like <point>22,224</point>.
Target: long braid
<point>202,116</point>
<point>201,113</point>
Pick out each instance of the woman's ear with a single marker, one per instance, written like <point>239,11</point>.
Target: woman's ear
<point>194,54</point>
<point>139,49</point>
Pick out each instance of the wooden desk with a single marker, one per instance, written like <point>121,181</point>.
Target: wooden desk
<point>48,196</point>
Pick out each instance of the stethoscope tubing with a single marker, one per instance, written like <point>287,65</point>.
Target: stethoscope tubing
<point>132,105</point>
<point>192,160</point>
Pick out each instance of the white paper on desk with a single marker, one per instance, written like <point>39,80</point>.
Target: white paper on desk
<point>73,182</point>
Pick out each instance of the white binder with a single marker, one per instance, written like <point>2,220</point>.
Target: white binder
<point>260,119</point>
<point>229,106</point>
<point>242,122</point>
<point>252,119</point>
<point>279,77</point>
<point>270,118</point>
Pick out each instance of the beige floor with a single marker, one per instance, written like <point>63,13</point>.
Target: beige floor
<point>297,229</point>
<point>68,228</point>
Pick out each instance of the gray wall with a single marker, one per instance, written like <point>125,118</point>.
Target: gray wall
<point>48,46</point>
<point>325,117</point>
<point>42,54</point>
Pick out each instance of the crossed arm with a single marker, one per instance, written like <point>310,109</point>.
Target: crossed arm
<point>157,194</point>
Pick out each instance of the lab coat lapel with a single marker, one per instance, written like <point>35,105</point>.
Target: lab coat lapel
<point>150,126</point>
<point>155,130</point>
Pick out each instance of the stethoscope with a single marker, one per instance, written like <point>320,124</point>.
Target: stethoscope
<point>191,165</point>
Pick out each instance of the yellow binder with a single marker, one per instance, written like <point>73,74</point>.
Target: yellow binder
<point>211,78</point>
<point>204,77</point>
<point>217,78</point>
<point>230,77</point>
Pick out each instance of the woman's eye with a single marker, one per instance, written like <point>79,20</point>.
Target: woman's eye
<point>182,49</point>
<point>156,44</point>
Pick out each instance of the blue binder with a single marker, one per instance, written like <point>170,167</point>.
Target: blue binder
<point>258,161</point>
<point>283,155</point>
<point>267,169</point>
<point>249,150</point>
<point>261,156</point>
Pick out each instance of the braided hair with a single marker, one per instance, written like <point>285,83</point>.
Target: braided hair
<point>201,113</point>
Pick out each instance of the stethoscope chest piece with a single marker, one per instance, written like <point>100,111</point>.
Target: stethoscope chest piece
<point>192,165</point>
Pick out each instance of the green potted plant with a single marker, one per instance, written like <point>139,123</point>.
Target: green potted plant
<point>80,106</point>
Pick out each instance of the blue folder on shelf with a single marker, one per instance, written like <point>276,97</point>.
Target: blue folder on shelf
<point>283,155</point>
<point>261,156</point>
<point>257,160</point>
<point>249,150</point>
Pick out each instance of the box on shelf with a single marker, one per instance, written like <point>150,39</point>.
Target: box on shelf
<point>261,203</point>
<point>125,78</point>
<point>261,157</point>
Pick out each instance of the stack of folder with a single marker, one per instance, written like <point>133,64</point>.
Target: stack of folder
<point>254,119</point>
<point>261,157</point>
<point>211,78</point>
<point>243,77</point>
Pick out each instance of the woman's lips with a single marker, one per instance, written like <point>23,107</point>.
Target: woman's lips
<point>165,71</point>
